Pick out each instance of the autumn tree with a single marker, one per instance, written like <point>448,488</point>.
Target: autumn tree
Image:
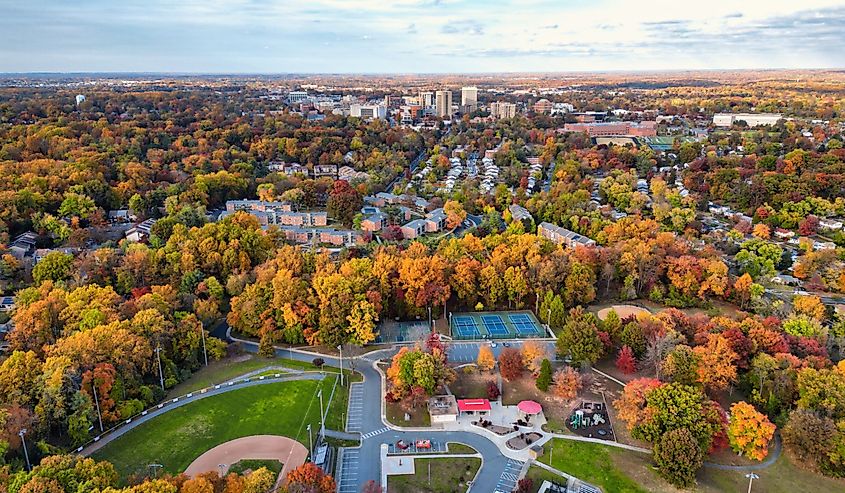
<point>344,202</point>
<point>510,364</point>
<point>486,361</point>
<point>716,363</point>
<point>455,213</point>
<point>625,362</point>
<point>567,383</point>
<point>631,405</point>
<point>362,320</point>
<point>309,478</point>
<point>681,365</point>
<point>749,431</point>
<point>533,353</point>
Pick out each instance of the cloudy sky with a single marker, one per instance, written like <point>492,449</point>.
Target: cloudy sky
<point>383,36</point>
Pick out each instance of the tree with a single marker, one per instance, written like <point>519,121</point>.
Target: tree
<point>362,320</point>
<point>811,439</point>
<point>678,456</point>
<point>612,324</point>
<point>749,431</point>
<point>579,337</point>
<point>681,365</point>
<point>265,345</point>
<point>544,379</point>
<point>808,226</point>
<point>672,406</point>
<point>510,364</point>
<point>633,337</point>
<point>762,231</point>
<point>717,363</point>
<point>55,266</point>
<point>344,202</point>
<point>533,354</point>
<point>76,205</point>
<point>822,391</point>
<point>631,405</point>
<point>260,481</point>
<point>309,478</point>
<point>810,306</point>
<point>492,390</point>
<point>525,485</point>
<point>486,361</point>
<point>455,213</point>
<point>372,487</point>
<point>625,362</point>
<point>567,383</point>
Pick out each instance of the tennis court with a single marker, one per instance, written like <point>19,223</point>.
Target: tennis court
<point>495,325</point>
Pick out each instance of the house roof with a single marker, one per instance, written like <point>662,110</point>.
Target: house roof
<point>465,405</point>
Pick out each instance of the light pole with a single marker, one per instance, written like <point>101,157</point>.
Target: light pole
<point>97,402</point>
<point>25,452</point>
<point>549,318</point>
<point>310,442</point>
<point>751,477</point>
<point>204,352</point>
<point>155,468</point>
<point>222,469</point>
<point>340,348</point>
<point>322,416</point>
<point>160,371</point>
<point>430,323</point>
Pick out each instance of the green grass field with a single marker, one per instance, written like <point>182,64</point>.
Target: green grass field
<point>447,476</point>
<point>626,471</point>
<point>177,437</point>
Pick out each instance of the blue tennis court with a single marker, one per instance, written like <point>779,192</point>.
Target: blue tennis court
<point>465,326</point>
<point>495,325</point>
<point>524,324</point>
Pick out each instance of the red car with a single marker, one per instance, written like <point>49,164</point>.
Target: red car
<point>425,444</point>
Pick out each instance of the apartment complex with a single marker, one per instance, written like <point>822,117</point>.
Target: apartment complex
<point>752,119</point>
<point>443,104</point>
<point>469,99</point>
<point>607,129</point>
<point>563,236</point>
<point>501,109</point>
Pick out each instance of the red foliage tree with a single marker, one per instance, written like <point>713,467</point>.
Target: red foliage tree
<point>392,233</point>
<point>492,390</point>
<point>808,226</point>
<point>625,362</point>
<point>310,478</point>
<point>510,364</point>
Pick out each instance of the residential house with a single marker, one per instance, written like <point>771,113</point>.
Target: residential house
<point>23,245</point>
<point>122,216</point>
<point>141,231</point>
<point>435,221</point>
<point>519,213</point>
<point>833,224</point>
<point>374,222</point>
<point>321,170</point>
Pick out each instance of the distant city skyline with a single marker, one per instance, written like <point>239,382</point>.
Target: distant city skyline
<point>417,36</point>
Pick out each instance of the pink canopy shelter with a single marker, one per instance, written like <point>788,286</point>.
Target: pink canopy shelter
<point>530,407</point>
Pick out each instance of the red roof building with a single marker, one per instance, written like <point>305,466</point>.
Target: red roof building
<point>473,405</point>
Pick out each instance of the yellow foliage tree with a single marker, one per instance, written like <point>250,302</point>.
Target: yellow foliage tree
<point>749,431</point>
<point>533,354</point>
<point>486,361</point>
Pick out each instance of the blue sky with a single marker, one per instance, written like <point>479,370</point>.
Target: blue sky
<point>381,36</point>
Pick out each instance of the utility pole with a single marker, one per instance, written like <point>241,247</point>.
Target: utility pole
<point>97,402</point>
<point>160,371</point>
<point>340,348</point>
<point>25,452</point>
<point>751,477</point>
<point>204,352</point>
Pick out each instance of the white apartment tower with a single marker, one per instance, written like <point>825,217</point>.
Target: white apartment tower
<point>444,104</point>
<point>469,98</point>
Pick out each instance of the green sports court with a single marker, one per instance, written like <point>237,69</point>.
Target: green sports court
<point>495,325</point>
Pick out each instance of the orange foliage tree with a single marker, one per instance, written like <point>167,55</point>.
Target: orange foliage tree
<point>749,431</point>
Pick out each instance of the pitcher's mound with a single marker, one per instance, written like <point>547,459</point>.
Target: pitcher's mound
<point>286,450</point>
<point>624,311</point>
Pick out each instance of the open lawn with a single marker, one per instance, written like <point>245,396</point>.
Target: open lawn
<point>471,385</point>
<point>625,471</point>
<point>447,476</point>
<point>220,371</point>
<point>396,415</point>
<point>177,437</point>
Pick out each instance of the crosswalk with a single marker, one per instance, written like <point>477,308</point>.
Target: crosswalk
<point>347,482</point>
<point>374,433</point>
<point>510,475</point>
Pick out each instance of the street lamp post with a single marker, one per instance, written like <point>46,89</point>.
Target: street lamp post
<point>204,352</point>
<point>430,323</point>
<point>340,348</point>
<point>751,477</point>
<point>25,452</point>
<point>97,402</point>
<point>310,442</point>
<point>322,416</point>
<point>549,318</point>
<point>160,370</point>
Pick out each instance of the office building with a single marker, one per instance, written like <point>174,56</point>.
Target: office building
<point>443,104</point>
<point>543,106</point>
<point>297,97</point>
<point>427,98</point>
<point>368,111</point>
<point>605,129</point>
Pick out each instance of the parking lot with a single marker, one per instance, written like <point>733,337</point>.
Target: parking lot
<point>436,448</point>
<point>510,476</point>
<point>356,408</point>
<point>348,480</point>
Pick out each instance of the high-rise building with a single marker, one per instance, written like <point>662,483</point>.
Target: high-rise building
<point>469,99</point>
<point>426,98</point>
<point>444,104</point>
<point>502,109</point>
